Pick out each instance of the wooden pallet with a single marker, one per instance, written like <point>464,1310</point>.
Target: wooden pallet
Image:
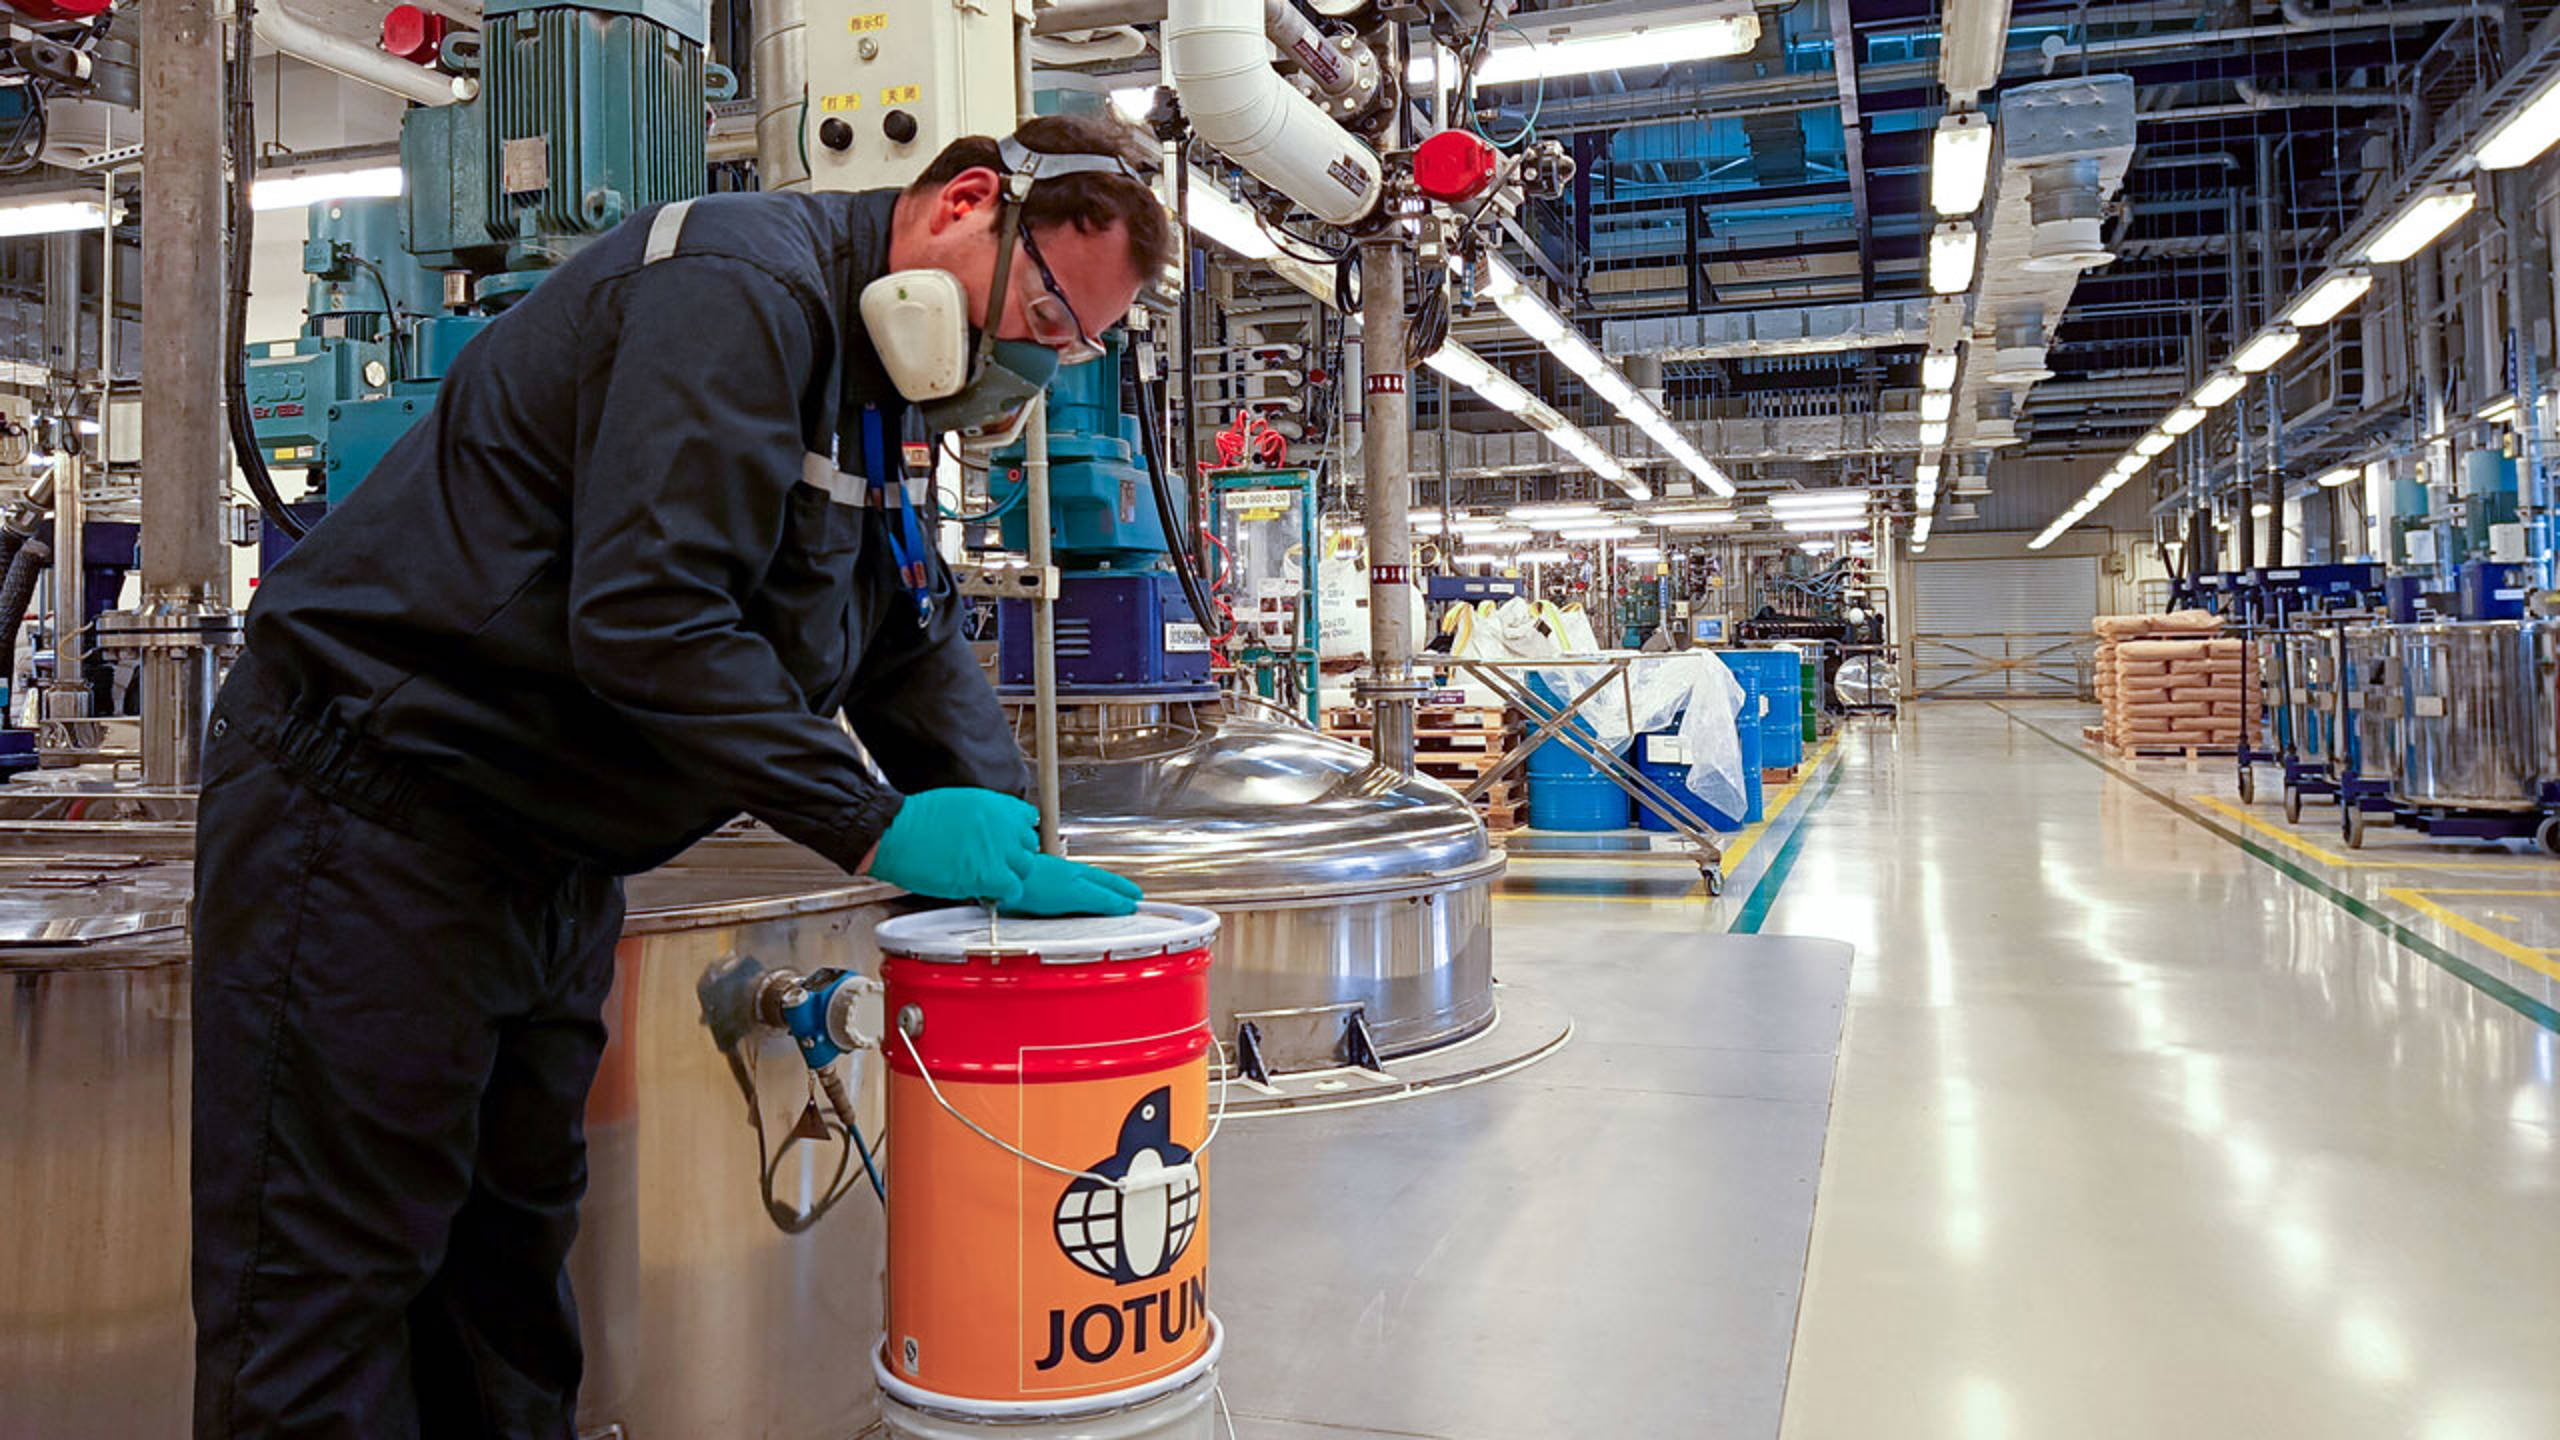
<point>1472,719</point>
<point>2173,752</point>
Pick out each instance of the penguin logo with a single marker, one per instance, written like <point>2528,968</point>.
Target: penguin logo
<point>1128,1238</point>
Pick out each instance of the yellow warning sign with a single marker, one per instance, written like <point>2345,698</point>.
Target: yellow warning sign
<point>902,95</point>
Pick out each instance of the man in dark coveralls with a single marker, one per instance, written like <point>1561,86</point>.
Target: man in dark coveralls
<point>618,588</point>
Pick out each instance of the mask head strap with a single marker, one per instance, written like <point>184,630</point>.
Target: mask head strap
<point>1023,166</point>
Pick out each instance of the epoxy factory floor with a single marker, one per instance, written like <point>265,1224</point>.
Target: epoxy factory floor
<point>2151,1115</point>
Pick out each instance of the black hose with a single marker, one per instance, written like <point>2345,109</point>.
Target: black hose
<point>10,540</point>
<point>17,591</point>
<point>244,167</point>
<point>1185,567</point>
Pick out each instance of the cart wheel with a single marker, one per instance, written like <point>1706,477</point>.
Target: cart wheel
<point>1714,878</point>
<point>2547,834</point>
<point>2355,827</point>
<point>2248,786</point>
<point>2293,804</point>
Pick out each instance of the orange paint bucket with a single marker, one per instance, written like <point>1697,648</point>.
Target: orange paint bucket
<point>1048,1201</point>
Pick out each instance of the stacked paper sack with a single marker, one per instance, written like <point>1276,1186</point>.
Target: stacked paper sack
<point>2173,681</point>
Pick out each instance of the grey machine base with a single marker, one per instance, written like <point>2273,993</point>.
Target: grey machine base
<point>1610,1242</point>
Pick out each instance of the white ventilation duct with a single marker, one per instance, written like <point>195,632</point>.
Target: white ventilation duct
<point>1974,476</point>
<point>2064,149</point>
<point>1218,59</point>
<point>1995,418</point>
<point>2019,348</point>
<point>2068,214</point>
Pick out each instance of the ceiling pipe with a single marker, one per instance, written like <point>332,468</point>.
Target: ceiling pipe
<point>2299,20</point>
<point>1217,57</point>
<point>293,34</point>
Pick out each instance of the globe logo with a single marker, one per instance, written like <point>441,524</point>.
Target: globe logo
<point>1127,1238</point>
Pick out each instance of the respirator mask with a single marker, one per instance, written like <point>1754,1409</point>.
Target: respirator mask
<point>965,382</point>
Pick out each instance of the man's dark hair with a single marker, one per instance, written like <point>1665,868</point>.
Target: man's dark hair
<point>1089,202</point>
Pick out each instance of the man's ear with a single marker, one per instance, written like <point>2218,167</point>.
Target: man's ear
<point>964,195</point>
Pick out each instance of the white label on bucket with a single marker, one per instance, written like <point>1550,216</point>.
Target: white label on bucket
<point>1666,750</point>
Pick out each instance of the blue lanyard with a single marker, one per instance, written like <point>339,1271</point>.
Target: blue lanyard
<point>907,544</point>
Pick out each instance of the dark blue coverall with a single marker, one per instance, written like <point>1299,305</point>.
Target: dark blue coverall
<point>610,593</point>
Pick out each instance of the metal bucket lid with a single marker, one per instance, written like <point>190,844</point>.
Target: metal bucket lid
<point>967,931</point>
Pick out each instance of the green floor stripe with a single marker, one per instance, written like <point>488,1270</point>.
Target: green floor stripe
<point>1765,894</point>
<point>2481,980</point>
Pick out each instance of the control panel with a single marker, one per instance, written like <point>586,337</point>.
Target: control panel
<point>891,85</point>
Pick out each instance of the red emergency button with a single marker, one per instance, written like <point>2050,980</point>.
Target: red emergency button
<point>1453,166</point>
<point>414,33</point>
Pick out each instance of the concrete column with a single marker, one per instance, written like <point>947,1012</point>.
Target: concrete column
<point>186,463</point>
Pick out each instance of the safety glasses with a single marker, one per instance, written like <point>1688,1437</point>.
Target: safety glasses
<point>1052,317</point>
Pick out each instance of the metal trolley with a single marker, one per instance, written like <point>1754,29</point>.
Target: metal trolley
<point>2473,738</point>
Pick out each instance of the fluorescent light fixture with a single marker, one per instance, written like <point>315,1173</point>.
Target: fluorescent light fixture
<point>1951,248</point>
<point>1831,499</point>
<point>1960,163</point>
<point>2152,444</point>
<point>284,192</point>
<point>1920,532</point>
<point>1480,557</point>
<point>1460,364</point>
<point>2330,298</point>
<point>2261,509</point>
<point>2431,213</point>
<point>1609,385</point>
<point>1932,433</point>
<point>1817,547</point>
<point>1535,514</point>
<point>1637,490</point>
<point>2524,134</point>
<point>1579,357</point>
<point>2343,475</point>
<point>1478,524</point>
<point>1640,554</point>
<point>1532,316</point>
<point>2500,410</point>
<point>1503,393</point>
<point>2183,419</point>
<point>1691,519</point>
<point>52,217</point>
<point>1938,370</point>
<point>1937,405</point>
<point>1134,101</point>
<point>2269,346</point>
<point>1581,533</point>
<point>1502,535</point>
<point>1220,217</point>
<point>1543,557</point>
<point>1673,38</point>
<point>2218,391</point>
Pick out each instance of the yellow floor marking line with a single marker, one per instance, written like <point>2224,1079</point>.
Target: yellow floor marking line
<point>2538,961</point>
<point>2488,890</point>
<point>2293,839</point>
<point>1774,806</point>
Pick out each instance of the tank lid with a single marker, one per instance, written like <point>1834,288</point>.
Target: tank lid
<point>965,932</point>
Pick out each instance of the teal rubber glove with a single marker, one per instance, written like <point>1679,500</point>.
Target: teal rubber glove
<point>1055,887</point>
<point>959,844</point>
